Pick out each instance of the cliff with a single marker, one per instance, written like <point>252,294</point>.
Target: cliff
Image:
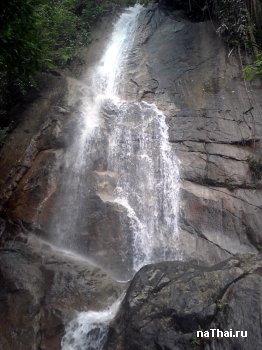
<point>215,129</point>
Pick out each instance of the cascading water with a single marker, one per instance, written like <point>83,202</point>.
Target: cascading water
<point>88,331</point>
<point>135,144</point>
<point>70,205</point>
<point>148,180</point>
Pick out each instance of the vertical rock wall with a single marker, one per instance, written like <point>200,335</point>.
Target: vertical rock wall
<point>215,128</point>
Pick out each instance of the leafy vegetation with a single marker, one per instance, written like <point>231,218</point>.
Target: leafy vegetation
<point>241,25</point>
<point>255,166</point>
<point>20,48</point>
<point>254,70</point>
<point>195,340</point>
<point>239,21</point>
<point>231,187</point>
<point>233,17</point>
<point>221,304</point>
<point>37,35</point>
<point>3,134</point>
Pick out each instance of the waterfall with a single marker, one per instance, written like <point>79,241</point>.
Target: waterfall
<point>113,61</point>
<point>148,180</point>
<point>88,331</point>
<point>103,82</point>
<point>129,142</point>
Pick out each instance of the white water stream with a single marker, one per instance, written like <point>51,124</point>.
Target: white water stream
<point>88,331</point>
<point>148,180</point>
<point>147,176</point>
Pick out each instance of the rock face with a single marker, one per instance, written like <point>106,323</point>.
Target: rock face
<point>167,303</point>
<point>214,129</point>
<point>34,166</point>
<point>214,120</point>
<point>41,289</point>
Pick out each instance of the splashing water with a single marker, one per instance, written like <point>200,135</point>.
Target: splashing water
<point>148,180</point>
<point>72,197</point>
<point>111,66</point>
<point>88,331</point>
<point>133,143</point>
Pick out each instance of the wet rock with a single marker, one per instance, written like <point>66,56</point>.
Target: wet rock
<point>225,171</point>
<point>214,127</point>
<point>2,226</point>
<point>32,118</point>
<point>31,197</point>
<point>41,289</point>
<point>224,218</point>
<point>209,129</point>
<point>193,245</point>
<point>51,136</point>
<point>193,164</point>
<point>167,303</point>
<point>222,165</point>
<point>105,235</point>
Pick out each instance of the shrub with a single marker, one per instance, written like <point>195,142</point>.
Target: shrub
<point>254,70</point>
<point>37,35</point>
<point>255,166</point>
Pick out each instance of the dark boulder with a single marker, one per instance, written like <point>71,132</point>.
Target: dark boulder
<point>42,289</point>
<point>168,302</point>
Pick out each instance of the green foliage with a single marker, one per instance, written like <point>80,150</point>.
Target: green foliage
<point>233,18</point>
<point>20,49</point>
<point>254,70</point>
<point>145,2</point>
<point>126,2</point>
<point>205,181</point>
<point>231,187</point>
<point>221,304</point>
<point>255,166</point>
<point>3,135</point>
<point>37,35</point>
<point>240,21</point>
<point>194,340</point>
<point>65,27</point>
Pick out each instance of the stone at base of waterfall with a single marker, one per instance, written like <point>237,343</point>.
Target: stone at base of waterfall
<point>168,302</point>
<point>42,290</point>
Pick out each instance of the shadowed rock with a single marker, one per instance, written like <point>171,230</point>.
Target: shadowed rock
<point>42,289</point>
<point>167,303</point>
